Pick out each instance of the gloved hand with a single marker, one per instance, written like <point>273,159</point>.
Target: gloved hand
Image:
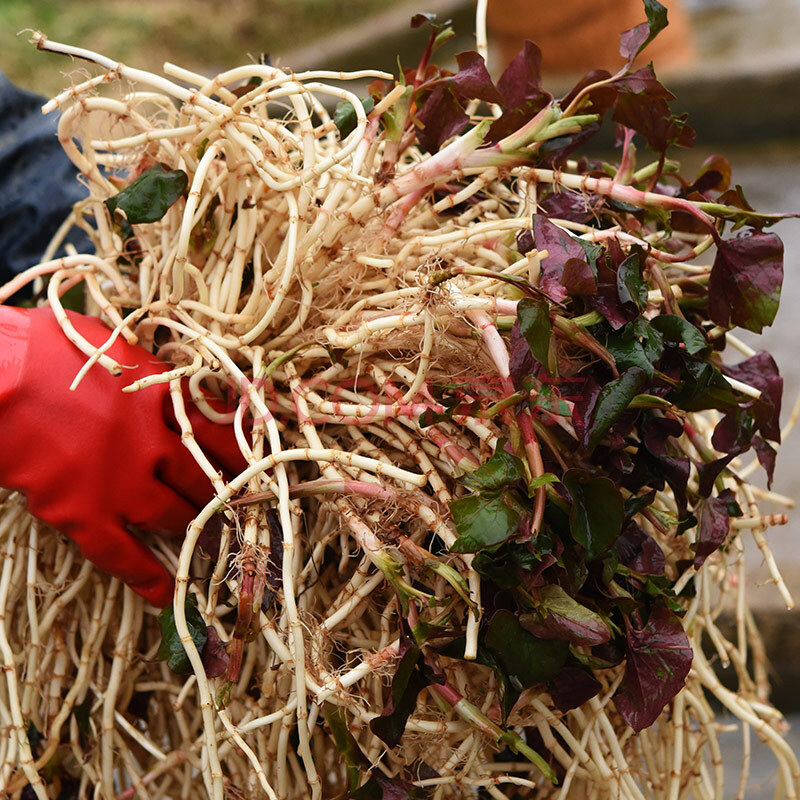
<point>97,463</point>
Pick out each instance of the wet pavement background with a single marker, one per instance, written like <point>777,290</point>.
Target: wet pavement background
<point>762,775</point>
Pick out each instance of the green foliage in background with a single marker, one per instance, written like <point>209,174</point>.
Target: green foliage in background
<point>203,35</point>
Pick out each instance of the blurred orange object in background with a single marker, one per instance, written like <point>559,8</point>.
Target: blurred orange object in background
<point>578,35</point>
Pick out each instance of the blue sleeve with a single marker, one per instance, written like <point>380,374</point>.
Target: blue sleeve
<point>38,183</point>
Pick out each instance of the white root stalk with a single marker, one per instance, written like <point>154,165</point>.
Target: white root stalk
<point>293,281</point>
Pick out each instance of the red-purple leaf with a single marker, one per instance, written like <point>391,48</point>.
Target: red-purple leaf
<point>708,473</point>
<point>732,432</point>
<point>745,284</point>
<point>525,241</point>
<point>418,20</point>
<point>714,176</point>
<point>565,618</point>
<point>713,523</point>
<point>215,654</point>
<point>442,116</point>
<point>642,105</point>
<point>762,372</point>
<point>522,79</point>
<point>572,687</point>
<point>274,582</point>
<point>566,205</point>
<point>210,535</point>
<point>578,278</point>
<point>607,299</point>
<point>472,81</point>
<point>560,248</point>
<point>766,457</point>
<point>596,101</point>
<point>382,787</point>
<point>643,82</point>
<point>659,659</point>
<point>632,42</point>
<point>520,89</point>
<point>655,433</point>
<point>653,119</point>
<point>522,364</point>
<point>639,551</point>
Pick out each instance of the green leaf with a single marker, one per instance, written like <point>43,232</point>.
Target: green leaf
<point>649,401</point>
<point>544,479</point>
<point>443,36</point>
<point>534,324</point>
<point>676,329</point>
<point>631,286</point>
<point>652,340</point>
<point>597,512</point>
<point>81,714</point>
<point>345,743</point>
<point>502,469</point>
<point>74,299</point>
<point>419,19</point>
<point>510,693</point>
<point>566,618</point>
<point>636,503</point>
<point>656,18</point>
<point>702,386</point>
<point>149,197</point>
<point>171,647</point>
<point>548,400</point>
<point>635,40</point>
<point>223,696</point>
<point>524,658</point>
<point>629,352</point>
<point>411,676</point>
<point>485,520</point>
<point>592,250</point>
<point>503,565</point>
<point>613,400</point>
<point>33,734</point>
<point>430,417</point>
<point>345,118</point>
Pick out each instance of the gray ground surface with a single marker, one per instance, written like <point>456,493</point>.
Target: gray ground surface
<point>762,777</point>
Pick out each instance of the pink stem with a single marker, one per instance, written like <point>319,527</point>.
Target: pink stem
<point>534,456</point>
<point>494,345</point>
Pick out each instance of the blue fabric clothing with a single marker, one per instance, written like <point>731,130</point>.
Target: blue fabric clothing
<point>38,183</point>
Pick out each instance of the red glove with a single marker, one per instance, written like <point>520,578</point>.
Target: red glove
<point>96,463</point>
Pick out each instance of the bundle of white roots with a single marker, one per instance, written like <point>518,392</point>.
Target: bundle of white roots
<point>286,252</point>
